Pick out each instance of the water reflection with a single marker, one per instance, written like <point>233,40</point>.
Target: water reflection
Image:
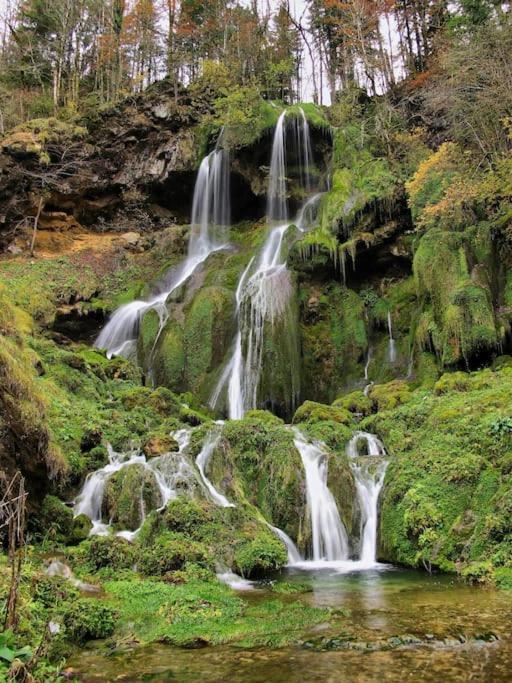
<point>382,603</point>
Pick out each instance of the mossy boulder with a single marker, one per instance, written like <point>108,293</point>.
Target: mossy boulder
<point>186,515</point>
<point>128,493</point>
<point>80,529</point>
<point>56,518</point>
<point>310,411</point>
<point>101,552</point>
<point>158,444</point>
<point>260,555</point>
<point>261,465</point>
<point>356,402</point>
<point>171,552</point>
<point>390,395</point>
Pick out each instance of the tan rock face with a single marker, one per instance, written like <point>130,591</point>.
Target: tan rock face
<point>58,221</point>
<point>158,445</point>
<point>130,238</point>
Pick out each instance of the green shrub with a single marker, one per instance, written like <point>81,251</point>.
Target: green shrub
<point>82,525</point>
<point>478,572</point>
<point>51,591</point>
<point>89,619</point>
<point>259,555</point>
<point>56,518</point>
<point>185,515</point>
<point>170,553</point>
<point>109,551</point>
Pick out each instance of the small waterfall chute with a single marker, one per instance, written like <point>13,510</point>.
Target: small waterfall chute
<point>294,556</point>
<point>210,218</point>
<point>264,292</point>
<point>202,460</point>
<point>170,471</point>
<point>329,537</point>
<point>369,469</point>
<point>392,343</point>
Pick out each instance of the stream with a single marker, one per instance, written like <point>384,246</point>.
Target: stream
<point>383,603</point>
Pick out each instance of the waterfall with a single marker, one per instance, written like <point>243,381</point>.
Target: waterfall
<point>294,557</point>
<point>202,460</point>
<point>329,537</point>
<point>277,205</point>
<point>392,344</point>
<point>169,471</point>
<point>369,470</point>
<point>265,287</point>
<point>210,217</point>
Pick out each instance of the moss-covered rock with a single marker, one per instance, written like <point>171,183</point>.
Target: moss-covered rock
<point>390,395</point>
<point>264,468</point>
<point>159,443</point>
<point>56,518</point>
<point>310,411</point>
<point>80,529</point>
<point>260,555</point>
<point>447,485</point>
<point>129,492</point>
<point>172,552</point>
<point>356,402</point>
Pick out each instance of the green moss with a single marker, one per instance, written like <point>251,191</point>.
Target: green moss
<point>89,620</point>
<point>208,333</point>
<point>445,500</point>
<point>390,395</point>
<point>461,321</point>
<point>172,552</point>
<point>260,555</point>
<point>82,525</point>
<point>334,339</point>
<point>267,470</point>
<point>128,493</point>
<point>198,613</point>
<point>356,402</point>
<point>310,411</point>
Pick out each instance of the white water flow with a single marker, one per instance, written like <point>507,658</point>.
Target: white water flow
<point>294,556</point>
<point>329,537</point>
<point>369,468</point>
<point>265,287</point>
<point>210,217</point>
<point>368,383</point>
<point>392,343</point>
<point>170,471</point>
<point>209,446</point>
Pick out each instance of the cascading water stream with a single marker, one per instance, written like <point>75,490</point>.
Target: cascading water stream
<point>265,287</point>
<point>294,556</point>
<point>369,470</point>
<point>209,446</point>
<point>210,217</point>
<point>329,537</point>
<point>169,471</point>
<point>392,343</point>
